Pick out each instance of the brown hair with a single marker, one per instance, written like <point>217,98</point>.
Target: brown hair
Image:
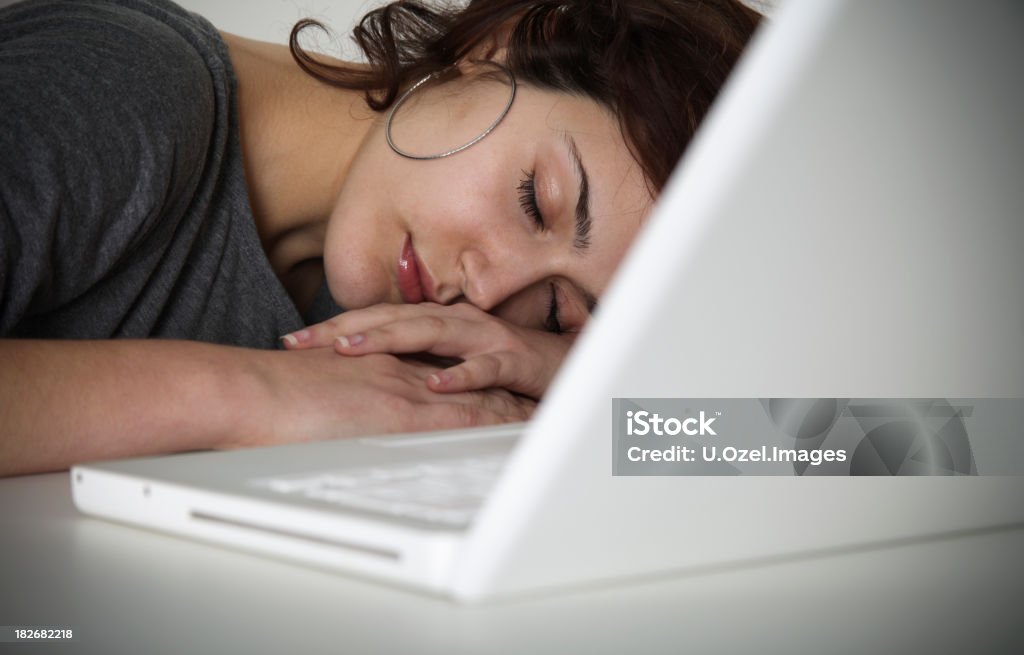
<point>657,64</point>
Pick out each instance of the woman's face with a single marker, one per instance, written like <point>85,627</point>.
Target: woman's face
<point>529,223</point>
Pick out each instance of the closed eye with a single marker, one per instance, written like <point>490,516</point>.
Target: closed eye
<point>552,322</point>
<point>528,200</point>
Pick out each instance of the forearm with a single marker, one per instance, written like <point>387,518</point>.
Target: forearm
<point>63,402</point>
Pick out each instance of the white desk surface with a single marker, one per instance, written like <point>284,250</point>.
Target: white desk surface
<point>126,590</point>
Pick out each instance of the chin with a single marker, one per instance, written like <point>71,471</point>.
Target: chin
<point>357,292</point>
<point>350,290</point>
<point>356,277</point>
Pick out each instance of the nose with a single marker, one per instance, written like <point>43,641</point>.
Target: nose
<point>491,278</point>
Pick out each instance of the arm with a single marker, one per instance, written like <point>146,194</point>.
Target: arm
<point>63,402</point>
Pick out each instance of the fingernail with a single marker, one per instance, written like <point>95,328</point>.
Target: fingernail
<point>354,340</point>
<point>295,338</point>
<point>442,378</point>
<point>290,340</point>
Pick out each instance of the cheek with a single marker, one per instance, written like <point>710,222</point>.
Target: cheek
<point>355,255</point>
<point>451,206</point>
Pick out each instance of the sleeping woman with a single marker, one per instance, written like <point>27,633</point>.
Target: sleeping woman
<point>213,242</point>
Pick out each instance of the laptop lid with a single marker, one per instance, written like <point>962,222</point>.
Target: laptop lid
<point>848,223</point>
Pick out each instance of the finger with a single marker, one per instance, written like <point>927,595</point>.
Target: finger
<point>319,335</point>
<point>410,377</point>
<point>446,337</point>
<point>481,372</point>
<point>494,370</point>
<point>323,334</point>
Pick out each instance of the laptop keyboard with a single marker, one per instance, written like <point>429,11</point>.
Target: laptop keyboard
<point>443,491</point>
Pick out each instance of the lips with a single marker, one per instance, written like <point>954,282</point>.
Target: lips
<point>410,283</point>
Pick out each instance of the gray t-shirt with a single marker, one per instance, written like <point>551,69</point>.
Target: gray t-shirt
<point>123,203</point>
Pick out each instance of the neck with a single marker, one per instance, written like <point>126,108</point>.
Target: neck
<point>299,137</point>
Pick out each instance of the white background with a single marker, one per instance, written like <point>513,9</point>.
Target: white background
<point>272,20</point>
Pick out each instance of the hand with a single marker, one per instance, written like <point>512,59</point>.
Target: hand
<point>314,394</point>
<point>494,353</point>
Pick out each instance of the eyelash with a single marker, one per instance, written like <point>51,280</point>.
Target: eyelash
<point>528,199</point>
<point>552,323</point>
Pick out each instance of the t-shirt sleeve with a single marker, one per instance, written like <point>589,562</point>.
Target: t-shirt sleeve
<point>106,117</point>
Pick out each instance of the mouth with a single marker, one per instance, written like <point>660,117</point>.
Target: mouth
<point>413,280</point>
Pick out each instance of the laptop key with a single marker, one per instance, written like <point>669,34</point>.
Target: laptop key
<point>439,491</point>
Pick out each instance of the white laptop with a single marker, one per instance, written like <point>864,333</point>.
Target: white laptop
<point>849,223</point>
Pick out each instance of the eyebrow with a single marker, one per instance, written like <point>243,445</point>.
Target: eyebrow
<point>582,240</point>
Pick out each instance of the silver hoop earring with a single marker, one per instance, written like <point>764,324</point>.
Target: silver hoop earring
<point>447,153</point>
